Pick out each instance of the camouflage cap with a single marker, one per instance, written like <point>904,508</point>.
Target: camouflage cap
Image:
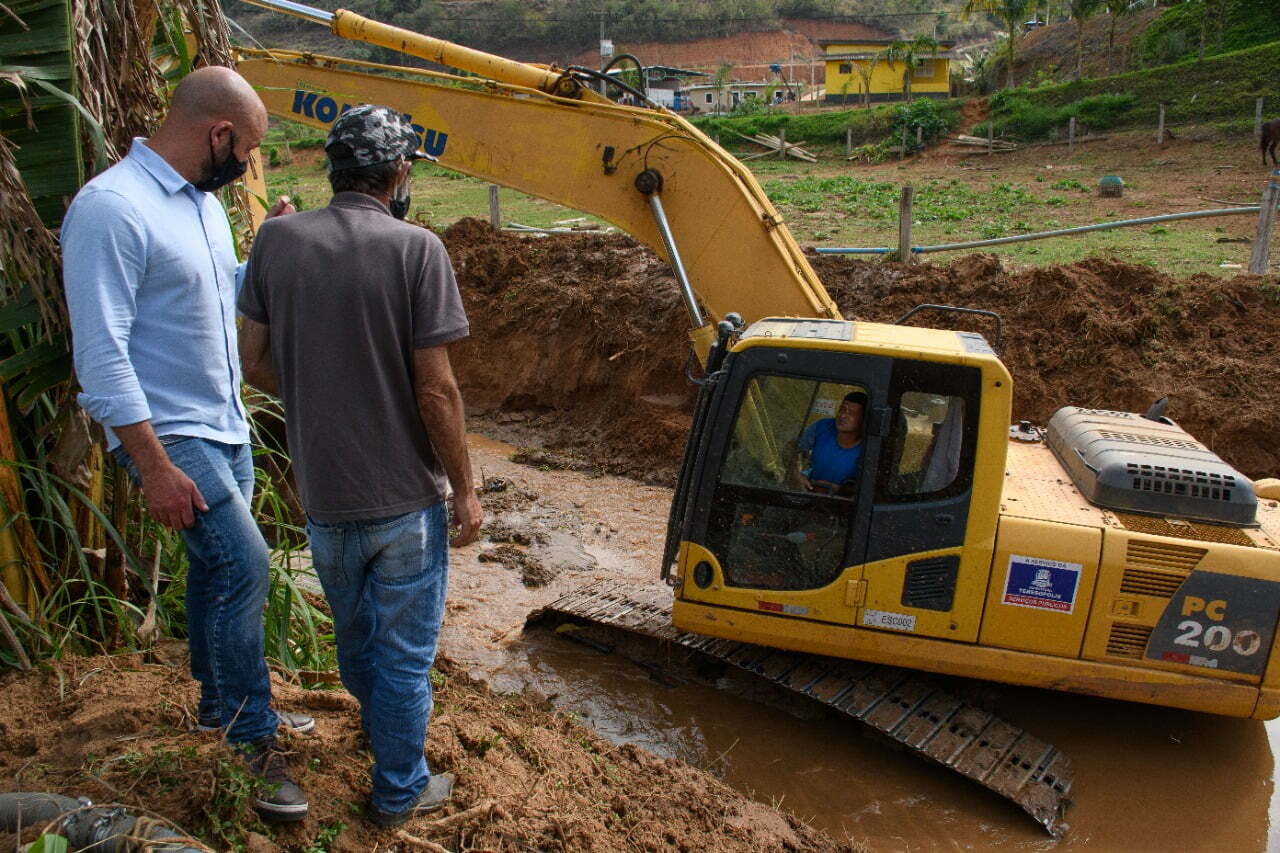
<point>369,135</point>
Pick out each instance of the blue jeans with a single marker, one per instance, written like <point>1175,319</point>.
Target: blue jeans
<point>227,582</point>
<point>385,580</point>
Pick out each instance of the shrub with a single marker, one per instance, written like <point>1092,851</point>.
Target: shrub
<point>922,113</point>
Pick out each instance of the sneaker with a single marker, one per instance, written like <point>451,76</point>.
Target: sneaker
<point>278,798</point>
<point>435,795</point>
<point>299,723</point>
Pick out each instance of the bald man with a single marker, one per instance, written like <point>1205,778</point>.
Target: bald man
<point>150,270</point>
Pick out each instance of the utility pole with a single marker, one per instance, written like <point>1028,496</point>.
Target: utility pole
<point>813,85</point>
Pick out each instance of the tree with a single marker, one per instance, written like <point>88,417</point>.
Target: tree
<point>1081,11</point>
<point>911,54</point>
<point>720,81</point>
<point>1212,12</point>
<point>1010,12</point>
<point>1115,8</point>
<point>866,68</point>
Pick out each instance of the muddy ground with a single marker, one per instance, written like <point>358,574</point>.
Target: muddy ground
<point>576,353</point>
<point>586,751</point>
<point>578,343</point>
<point>119,730</point>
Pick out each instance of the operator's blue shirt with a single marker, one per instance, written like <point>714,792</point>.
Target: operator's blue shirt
<point>828,460</point>
<point>150,272</point>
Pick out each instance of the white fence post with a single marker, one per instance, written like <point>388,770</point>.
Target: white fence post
<point>1160,127</point>
<point>1261,257</point>
<point>1071,136</point>
<point>1257,118</point>
<point>495,213</point>
<point>848,142</point>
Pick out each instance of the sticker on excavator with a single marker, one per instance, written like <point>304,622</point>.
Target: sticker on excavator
<point>1041,584</point>
<point>888,619</point>
<point>315,105</point>
<point>778,607</point>
<point>1218,621</point>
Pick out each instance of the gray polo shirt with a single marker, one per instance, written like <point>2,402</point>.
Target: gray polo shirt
<point>349,293</point>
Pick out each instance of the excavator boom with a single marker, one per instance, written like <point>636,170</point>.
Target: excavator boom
<point>590,155</point>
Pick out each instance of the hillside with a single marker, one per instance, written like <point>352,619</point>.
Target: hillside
<point>1147,38</point>
<point>1049,53</point>
<point>1220,89</point>
<point>751,53</point>
<point>562,30</point>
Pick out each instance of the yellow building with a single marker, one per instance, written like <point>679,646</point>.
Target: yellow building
<point>854,67</point>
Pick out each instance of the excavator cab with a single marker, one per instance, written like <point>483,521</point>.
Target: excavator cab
<point>885,549</point>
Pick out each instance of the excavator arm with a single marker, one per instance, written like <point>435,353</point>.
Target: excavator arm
<point>541,131</point>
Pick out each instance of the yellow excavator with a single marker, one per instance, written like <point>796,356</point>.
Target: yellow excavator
<point>1109,553</point>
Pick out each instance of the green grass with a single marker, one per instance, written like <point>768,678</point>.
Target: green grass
<point>1016,116</point>
<point>822,128</point>
<point>440,197</point>
<point>834,203</point>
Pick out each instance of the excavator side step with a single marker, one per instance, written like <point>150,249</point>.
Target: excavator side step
<point>899,703</point>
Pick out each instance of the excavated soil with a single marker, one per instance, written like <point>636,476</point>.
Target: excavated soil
<point>534,778</point>
<point>578,343</point>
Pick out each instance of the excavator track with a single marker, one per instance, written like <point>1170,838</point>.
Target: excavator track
<point>897,703</point>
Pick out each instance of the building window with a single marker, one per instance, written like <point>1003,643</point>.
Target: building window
<point>846,67</point>
<point>711,98</point>
<point>923,71</point>
<point>750,95</point>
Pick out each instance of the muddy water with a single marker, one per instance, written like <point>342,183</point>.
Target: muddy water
<point>1146,778</point>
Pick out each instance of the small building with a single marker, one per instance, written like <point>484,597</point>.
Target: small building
<point>663,83</point>
<point>712,98</point>
<point>852,68</point>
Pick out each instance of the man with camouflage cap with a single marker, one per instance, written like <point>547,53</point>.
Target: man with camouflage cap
<point>348,314</point>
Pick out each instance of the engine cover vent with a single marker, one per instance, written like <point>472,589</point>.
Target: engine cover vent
<point>930,584</point>
<point>1128,641</point>
<point>1122,461</point>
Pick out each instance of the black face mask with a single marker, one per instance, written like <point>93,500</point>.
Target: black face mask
<point>225,172</point>
<point>399,204</point>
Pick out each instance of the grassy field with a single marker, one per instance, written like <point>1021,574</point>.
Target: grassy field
<point>959,196</point>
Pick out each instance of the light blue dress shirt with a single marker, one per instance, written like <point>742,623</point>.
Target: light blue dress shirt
<point>150,273</point>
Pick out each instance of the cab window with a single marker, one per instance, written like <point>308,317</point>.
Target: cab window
<point>783,502</point>
<point>929,451</point>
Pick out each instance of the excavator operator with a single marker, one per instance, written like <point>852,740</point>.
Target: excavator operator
<point>833,449</point>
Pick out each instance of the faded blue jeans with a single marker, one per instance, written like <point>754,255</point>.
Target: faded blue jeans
<point>385,580</point>
<point>227,582</point>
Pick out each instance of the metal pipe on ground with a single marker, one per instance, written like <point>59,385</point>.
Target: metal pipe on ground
<point>1084,229</point>
<point>1060,232</point>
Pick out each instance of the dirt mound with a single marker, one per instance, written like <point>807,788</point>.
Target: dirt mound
<point>578,342</point>
<point>585,324</point>
<point>1107,334</point>
<point>117,730</point>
